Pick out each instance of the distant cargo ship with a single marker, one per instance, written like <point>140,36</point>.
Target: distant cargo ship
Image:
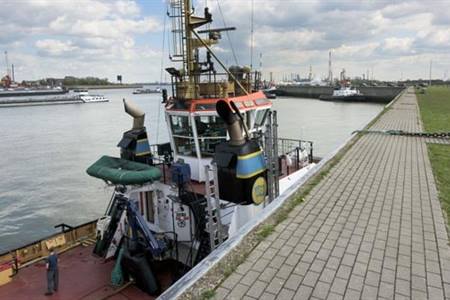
<point>147,91</point>
<point>344,94</point>
<point>72,98</point>
<point>19,92</point>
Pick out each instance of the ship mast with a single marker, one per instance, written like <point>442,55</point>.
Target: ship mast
<point>8,72</point>
<point>186,45</point>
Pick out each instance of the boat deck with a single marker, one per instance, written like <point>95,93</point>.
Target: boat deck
<point>81,276</point>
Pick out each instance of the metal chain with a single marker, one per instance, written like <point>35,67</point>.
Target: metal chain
<point>408,133</point>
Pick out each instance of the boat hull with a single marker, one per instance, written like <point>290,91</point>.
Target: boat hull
<point>32,93</point>
<point>351,98</point>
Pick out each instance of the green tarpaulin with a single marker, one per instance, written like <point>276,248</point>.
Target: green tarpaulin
<point>121,171</point>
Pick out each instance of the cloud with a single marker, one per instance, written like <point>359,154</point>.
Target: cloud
<point>109,37</point>
<point>102,34</point>
<point>55,47</point>
<point>394,45</point>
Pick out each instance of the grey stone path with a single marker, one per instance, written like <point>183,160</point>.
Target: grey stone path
<point>373,228</point>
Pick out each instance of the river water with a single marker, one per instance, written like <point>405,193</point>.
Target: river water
<point>45,150</point>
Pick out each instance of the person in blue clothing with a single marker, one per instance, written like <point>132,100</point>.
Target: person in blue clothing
<point>52,273</point>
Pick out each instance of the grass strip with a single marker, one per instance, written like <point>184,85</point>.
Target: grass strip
<point>440,162</point>
<point>435,108</point>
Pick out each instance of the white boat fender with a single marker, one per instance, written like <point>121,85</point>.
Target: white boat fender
<point>289,160</point>
<point>102,225</point>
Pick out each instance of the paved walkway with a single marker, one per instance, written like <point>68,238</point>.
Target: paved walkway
<point>373,228</point>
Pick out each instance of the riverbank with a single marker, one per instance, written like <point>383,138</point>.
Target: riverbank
<point>106,87</point>
<point>362,231</point>
<point>435,111</point>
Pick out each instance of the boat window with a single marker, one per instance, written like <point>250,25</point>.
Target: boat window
<point>185,146</point>
<point>248,103</point>
<point>261,117</point>
<point>262,101</point>
<point>205,106</point>
<point>182,135</point>
<point>181,126</point>
<point>211,130</point>
<point>210,126</point>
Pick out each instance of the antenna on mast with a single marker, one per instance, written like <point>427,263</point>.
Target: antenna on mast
<point>251,38</point>
<point>330,73</point>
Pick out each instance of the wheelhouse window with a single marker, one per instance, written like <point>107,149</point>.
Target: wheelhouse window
<point>181,126</point>
<point>182,135</point>
<point>260,118</point>
<point>211,130</point>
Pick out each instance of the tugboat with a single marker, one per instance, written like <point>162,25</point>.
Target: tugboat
<point>344,93</point>
<point>174,203</point>
<point>85,97</point>
<point>147,91</point>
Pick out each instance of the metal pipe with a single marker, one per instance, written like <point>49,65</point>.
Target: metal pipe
<point>137,114</point>
<point>233,124</point>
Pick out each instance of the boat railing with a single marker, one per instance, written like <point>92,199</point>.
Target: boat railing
<point>162,156</point>
<point>295,153</point>
<point>296,147</point>
<point>211,84</point>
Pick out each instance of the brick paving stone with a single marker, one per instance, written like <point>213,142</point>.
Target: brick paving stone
<point>303,292</point>
<point>418,283</point>
<point>318,265</point>
<point>285,271</point>
<point>286,294</point>
<point>402,287</point>
<point>268,274</point>
<point>372,278</point>
<point>435,293</point>
<point>356,282</point>
<point>344,272</point>
<point>339,286</point>
<point>386,290</point>
<point>418,295</point>
<point>321,290</point>
<point>257,289</point>
<point>267,296</point>
<point>311,278</point>
<point>293,282</point>
<point>328,275</point>
<point>250,277</point>
<point>301,268</point>
<point>275,285</point>
<point>220,293</point>
<point>352,295</point>
<point>373,227</point>
<point>238,292</point>
<point>369,292</point>
<point>231,281</point>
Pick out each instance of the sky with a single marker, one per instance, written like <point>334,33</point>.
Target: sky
<point>392,40</point>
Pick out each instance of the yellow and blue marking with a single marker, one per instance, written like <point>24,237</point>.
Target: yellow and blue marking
<point>142,147</point>
<point>250,165</point>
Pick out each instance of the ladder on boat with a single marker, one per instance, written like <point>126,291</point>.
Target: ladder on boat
<point>214,225</point>
<point>179,39</point>
<point>271,153</point>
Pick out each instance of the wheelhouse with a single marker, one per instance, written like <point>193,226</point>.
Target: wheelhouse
<point>196,129</point>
